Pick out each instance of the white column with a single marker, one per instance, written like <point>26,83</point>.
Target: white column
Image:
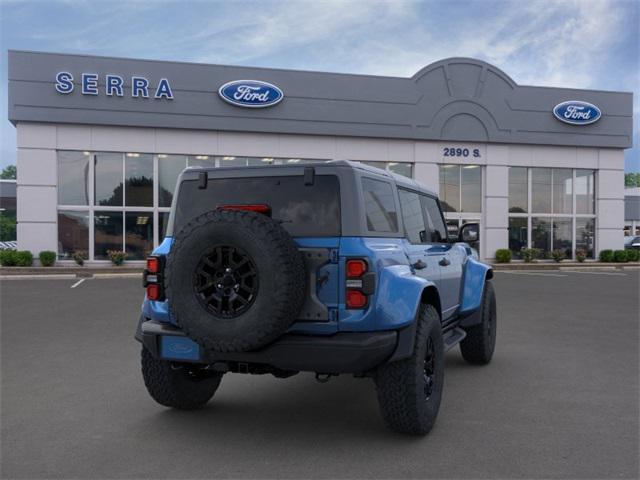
<point>495,210</point>
<point>610,200</point>
<point>37,188</point>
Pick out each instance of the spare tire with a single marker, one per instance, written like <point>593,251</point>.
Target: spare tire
<point>235,280</point>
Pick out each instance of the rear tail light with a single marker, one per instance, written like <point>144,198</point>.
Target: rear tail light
<point>154,291</point>
<point>153,265</point>
<point>152,279</point>
<point>258,208</point>
<point>360,283</point>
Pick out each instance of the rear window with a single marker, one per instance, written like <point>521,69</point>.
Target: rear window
<point>303,210</point>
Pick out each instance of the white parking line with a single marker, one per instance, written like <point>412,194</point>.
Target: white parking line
<point>596,273</point>
<point>78,283</point>
<point>539,274</point>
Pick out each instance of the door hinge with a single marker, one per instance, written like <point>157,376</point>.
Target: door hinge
<point>333,314</point>
<point>333,255</point>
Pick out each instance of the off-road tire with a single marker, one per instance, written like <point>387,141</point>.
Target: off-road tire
<point>281,279</point>
<point>478,346</point>
<point>178,386</point>
<point>400,385</point>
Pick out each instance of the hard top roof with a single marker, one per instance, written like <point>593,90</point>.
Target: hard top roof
<point>400,180</point>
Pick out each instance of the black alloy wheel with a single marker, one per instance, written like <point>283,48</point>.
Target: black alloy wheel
<point>226,281</point>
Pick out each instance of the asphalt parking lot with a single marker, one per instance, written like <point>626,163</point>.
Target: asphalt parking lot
<point>560,399</point>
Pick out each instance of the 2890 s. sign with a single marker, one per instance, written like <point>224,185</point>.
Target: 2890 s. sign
<point>250,93</point>
<point>576,112</point>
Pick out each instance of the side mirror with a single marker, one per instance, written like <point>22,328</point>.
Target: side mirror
<point>469,233</point>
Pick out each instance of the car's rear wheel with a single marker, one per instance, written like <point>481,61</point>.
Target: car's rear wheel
<point>182,386</point>
<point>480,343</point>
<point>410,390</point>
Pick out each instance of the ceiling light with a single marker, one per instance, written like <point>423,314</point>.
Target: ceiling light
<point>202,157</point>
<point>162,155</point>
<point>471,166</point>
<point>392,164</point>
<point>133,154</point>
<point>228,158</point>
<point>293,160</point>
<point>86,153</point>
<point>267,159</point>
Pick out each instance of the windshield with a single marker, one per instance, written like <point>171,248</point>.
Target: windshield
<point>303,210</point>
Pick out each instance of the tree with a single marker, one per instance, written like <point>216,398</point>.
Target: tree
<point>632,180</point>
<point>9,172</point>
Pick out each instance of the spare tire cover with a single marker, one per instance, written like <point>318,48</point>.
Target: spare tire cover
<point>235,280</point>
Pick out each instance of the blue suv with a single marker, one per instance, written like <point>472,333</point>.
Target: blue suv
<point>329,268</point>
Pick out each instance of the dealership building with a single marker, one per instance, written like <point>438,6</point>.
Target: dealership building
<point>102,140</point>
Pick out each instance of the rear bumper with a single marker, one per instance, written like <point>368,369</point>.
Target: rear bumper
<point>344,352</point>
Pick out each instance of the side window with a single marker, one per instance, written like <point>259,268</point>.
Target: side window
<point>379,206</point>
<point>412,216</point>
<point>437,228</point>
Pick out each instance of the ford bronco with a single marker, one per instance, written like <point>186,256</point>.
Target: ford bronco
<point>329,268</point>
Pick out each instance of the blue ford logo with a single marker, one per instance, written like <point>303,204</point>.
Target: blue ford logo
<point>576,112</point>
<point>250,93</point>
<point>180,348</point>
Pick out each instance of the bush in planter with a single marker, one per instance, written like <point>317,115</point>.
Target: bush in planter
<point>620,256</point>
<point>581,254</point>
<point>47,258</point>
<point>503,255</point>
<point>633,255</point>
<point>80,256</point>
<point>558,255</point>
<point>117,257</point>
<point>8,258</point>
<point>529,254</point>
<point>606,256</point>
<point>24,258</point>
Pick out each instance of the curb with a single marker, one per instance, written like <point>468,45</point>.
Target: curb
<point>79,272</point>
<point>565,266</point>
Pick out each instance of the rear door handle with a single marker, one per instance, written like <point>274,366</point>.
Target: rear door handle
<point>444,262</point>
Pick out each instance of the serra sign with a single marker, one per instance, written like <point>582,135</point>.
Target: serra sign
<point>113,85</point>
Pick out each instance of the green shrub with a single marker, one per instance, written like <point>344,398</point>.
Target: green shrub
<point>633,255</point>
<point>503,255</point>
<point>8,258</point>
<point>620,256</point>
<point>606,256</point>
<point>80,256</point>
<point>529,254</point>
<point>24,258</point>
<point>558,255</point>
<point>47,258</point>
<point>581,254</point>
<point>117,257</point>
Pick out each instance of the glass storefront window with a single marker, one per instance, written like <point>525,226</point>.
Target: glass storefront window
<point>585,191</point>
<point>73,234</point>
<point>562,190</point>
<point>471,188</point>
<point>107,232</point>
<point>169,167</point>
<point>517,235</point>
<point>562,235</point>
<point>138,234</point>
<point>518,190</point>
<point>541,235</point>
<point>541,190</point>
<point>404,169</point>
<point>108,179</point>
<point>450,188</point>
<point>73,178</point>
<point>201,161</point>
<point>585,235</point>
<point>138,174</point>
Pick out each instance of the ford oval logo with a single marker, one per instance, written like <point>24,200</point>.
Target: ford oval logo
<point>180,348</point>
<point>250,93</point>
<point>576,112</point>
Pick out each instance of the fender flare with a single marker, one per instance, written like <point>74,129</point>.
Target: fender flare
<point>474,279</point>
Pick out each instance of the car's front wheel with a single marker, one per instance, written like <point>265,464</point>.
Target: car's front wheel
<point>181,386</point>
<point>410,390</point>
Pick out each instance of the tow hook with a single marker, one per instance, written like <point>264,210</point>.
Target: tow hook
<point>323,377</point>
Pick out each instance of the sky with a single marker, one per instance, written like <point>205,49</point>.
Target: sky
<point>561,43</point>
